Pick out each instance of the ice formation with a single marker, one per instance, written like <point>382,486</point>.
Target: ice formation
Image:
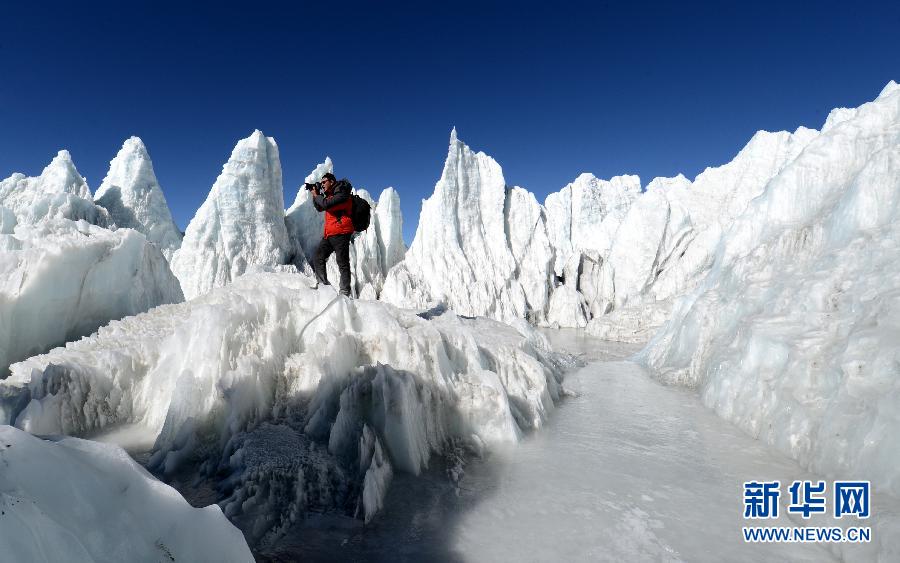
<point>480,247</point>
<point>306,399</point>
<point>59,192</point>
<point>60,280</point>
<point>240,225</point>
<point>792,335</point>
<point>134,199</point>
<point>81,501</point>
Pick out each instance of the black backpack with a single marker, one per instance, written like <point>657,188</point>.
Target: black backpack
<point>360,213</point>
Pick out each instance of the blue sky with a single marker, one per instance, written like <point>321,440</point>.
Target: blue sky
<point>548,89</point>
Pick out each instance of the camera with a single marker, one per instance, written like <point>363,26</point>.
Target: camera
<point>315,186</point>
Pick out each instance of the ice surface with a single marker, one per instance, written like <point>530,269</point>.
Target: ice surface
<point>61,280</point>
<point>241,224</point>
<point>212,376</point>
<point>793,334</point>
<point>631,470</point>
<point>59,192</point>
<point>81,501</point>
<point>134,199</point>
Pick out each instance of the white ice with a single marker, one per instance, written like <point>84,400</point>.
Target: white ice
<point>59,192</point>
<point>632,470</point>
<point>78,501</point>
<point>274,383</point>
<point>134,198</point>
<point>793,334</point>
<point>240,225</point>
<point>61,280</point>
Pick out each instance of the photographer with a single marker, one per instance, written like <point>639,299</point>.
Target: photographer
<point>333,197</point>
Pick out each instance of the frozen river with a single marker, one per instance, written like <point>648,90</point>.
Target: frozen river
<point>626,470</point>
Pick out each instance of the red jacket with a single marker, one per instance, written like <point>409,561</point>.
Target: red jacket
<point>337,205</point>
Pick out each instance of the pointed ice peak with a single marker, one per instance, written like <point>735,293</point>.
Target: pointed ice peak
<point>320,170</point>
<point>453,137</point>
<point>61,176</point>
<point>134,145</point>
<point>132,195</point>
<point>889,89</point>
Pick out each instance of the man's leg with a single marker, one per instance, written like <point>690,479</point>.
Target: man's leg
<point>322,253</point>
<point>342,250</point>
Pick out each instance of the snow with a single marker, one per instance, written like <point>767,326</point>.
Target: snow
<point>75,500</point>
<point>59,192</point>
<point>793,335</point>
<point>241,224</point>
<point>273,383</point>
<point>60,280</point>
<point>134,198</point>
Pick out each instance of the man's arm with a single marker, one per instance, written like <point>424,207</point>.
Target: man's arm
<point>341,194</point>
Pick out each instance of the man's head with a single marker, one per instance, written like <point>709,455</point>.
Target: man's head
<point>328,181</point>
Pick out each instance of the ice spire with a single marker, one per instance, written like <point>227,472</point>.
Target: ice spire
<point>241,223</point>
<point>134,198</point>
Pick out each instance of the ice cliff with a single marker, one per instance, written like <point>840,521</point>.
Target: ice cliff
<point>302,399</point>
<point>792,335</point>
<point>134,199</point>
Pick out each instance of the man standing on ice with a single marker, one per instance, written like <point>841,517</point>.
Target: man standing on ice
<point>333,197</point>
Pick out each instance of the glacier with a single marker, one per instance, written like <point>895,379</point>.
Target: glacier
<point>75,500</point>
<point>791,335</point>
<point>134,199</point>
<point>301,398</point>
<point>767,284</point>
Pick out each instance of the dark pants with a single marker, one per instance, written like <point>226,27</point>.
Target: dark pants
<point>340,245</point>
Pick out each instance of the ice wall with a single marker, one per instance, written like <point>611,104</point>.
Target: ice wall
<point>240,225</point>
<point>134,199</point>
<point>275,384</point>
<point>61,280</point>
<point>80,501</point>
<point>792,335</point>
